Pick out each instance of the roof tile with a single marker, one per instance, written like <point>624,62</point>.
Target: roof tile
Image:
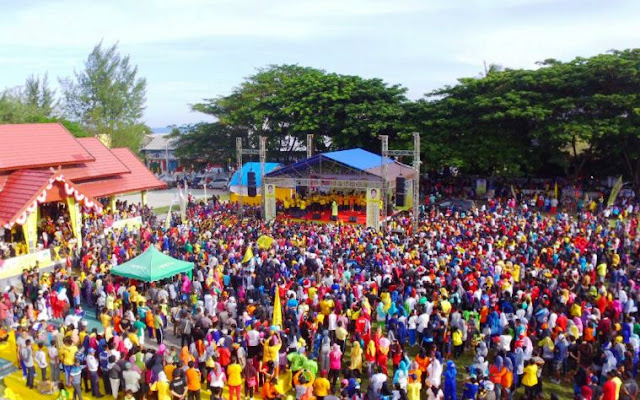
<point>139,179</point>
<point>106,164</point>
<point>39,145</point>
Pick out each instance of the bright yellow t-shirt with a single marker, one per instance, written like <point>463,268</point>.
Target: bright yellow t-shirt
<point>234,375</point>
<point>321,387</point>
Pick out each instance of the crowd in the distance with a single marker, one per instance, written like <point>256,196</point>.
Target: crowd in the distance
<point>498,302</point>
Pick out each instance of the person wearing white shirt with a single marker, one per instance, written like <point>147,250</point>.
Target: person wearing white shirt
<point>435,372</point>
<point>54,360</point>
<point>41,361</point>
<point>92,366</point>
<point>332,322</point>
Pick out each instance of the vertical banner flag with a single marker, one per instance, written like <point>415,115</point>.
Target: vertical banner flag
<point>270,202</point>
<point>555,191</point>
<point>373,208</point>
<point>277,309</point>
<point>615,191</point>
<point>183,203</point>
<point>481,187</point>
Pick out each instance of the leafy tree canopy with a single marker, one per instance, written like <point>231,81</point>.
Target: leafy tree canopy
<point>287,102</point>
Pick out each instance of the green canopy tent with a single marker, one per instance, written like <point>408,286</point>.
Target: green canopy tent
<point>151,266</point>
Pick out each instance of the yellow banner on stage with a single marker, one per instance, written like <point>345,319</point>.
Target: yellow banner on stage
<point>270,202</point>
<point>373,208</point>
<point>14,266</point>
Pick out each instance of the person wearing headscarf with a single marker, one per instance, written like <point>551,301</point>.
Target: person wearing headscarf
<point>497,371</point>
<point>450,374</point>
<point>401,376</point>
<point>355,359</point>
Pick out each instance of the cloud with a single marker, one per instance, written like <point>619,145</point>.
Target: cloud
<point>79,23</point>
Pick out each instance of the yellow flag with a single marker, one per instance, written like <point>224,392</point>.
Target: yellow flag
<point>277,309</point>
<point>615,190</point>
<point>248,255</point>
<point>265,242</point>
<point>555,191</point>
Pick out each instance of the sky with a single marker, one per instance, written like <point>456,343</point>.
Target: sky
<point>190,50</point>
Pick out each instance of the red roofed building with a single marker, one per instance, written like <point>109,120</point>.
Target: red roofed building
<point>106,163</point>
<point>43,164</point>
<point>140,178</point>
<point>39,145</point>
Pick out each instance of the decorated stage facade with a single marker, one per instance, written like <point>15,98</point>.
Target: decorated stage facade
<point>346,185</point>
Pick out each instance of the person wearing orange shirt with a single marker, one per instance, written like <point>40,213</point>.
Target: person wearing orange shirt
<point>193,382</point>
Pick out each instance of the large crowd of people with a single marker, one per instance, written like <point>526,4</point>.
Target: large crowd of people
<point>502,301</point>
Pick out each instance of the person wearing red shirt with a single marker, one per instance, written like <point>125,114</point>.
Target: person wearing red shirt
<point>609,388</point>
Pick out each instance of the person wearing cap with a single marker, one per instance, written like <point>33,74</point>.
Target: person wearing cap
<point>92,366</point>
<point>131,378</point>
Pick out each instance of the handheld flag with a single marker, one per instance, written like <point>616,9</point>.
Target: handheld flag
<point>277,309</point>
<point>248,255</point>
<point>265,242</point>
<point>555,191</point>
<point>615,191</point>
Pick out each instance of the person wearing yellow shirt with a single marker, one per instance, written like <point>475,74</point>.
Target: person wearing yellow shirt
<point>68,358</point>
<point>456,338</point>
<point>530,379</point>
<point>601,269</point>
<point>234,378</point>
<point>271,348</point>
<point>162,386</point>
<point>322,386</point>
<point>326,305</point>
<point>341,336</point>
<point>413,390</point>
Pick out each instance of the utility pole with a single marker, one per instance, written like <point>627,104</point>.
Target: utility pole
<point>262,153</point>
<point>415,153</point>
<point>385,178</point>
<point>239,169</point>
<point>263,160</point>
<point>416,180</point>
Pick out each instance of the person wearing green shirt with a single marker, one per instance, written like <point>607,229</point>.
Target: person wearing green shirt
<point>297,360</point>
<point>140,327</point>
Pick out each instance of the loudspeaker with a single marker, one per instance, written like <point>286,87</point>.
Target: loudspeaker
<point>353,218</point>
<point>251,184</point>
<point>400,183</point>
<point>316,216</point>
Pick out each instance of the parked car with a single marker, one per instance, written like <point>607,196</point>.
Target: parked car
<point>169,179</point>
<point>221,183</point>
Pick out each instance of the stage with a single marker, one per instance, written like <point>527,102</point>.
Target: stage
<point>324,217</point>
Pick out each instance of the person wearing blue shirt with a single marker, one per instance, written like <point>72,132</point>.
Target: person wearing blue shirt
<point>470,388</point>
<point>76,380</point>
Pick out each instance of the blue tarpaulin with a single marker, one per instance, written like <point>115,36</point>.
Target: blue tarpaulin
<point>357,158</point>
<point>255,167</point>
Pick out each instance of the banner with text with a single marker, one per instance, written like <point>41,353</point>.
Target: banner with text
<point>270,202</point>
<point>373,208</point>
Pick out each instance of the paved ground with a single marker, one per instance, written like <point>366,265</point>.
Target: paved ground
<point>163,198</point>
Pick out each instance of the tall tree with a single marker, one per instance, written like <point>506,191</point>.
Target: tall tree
<point>203,143</point>
<point>287,102</point>
<point>107,97</point>
<point>38,96</point>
